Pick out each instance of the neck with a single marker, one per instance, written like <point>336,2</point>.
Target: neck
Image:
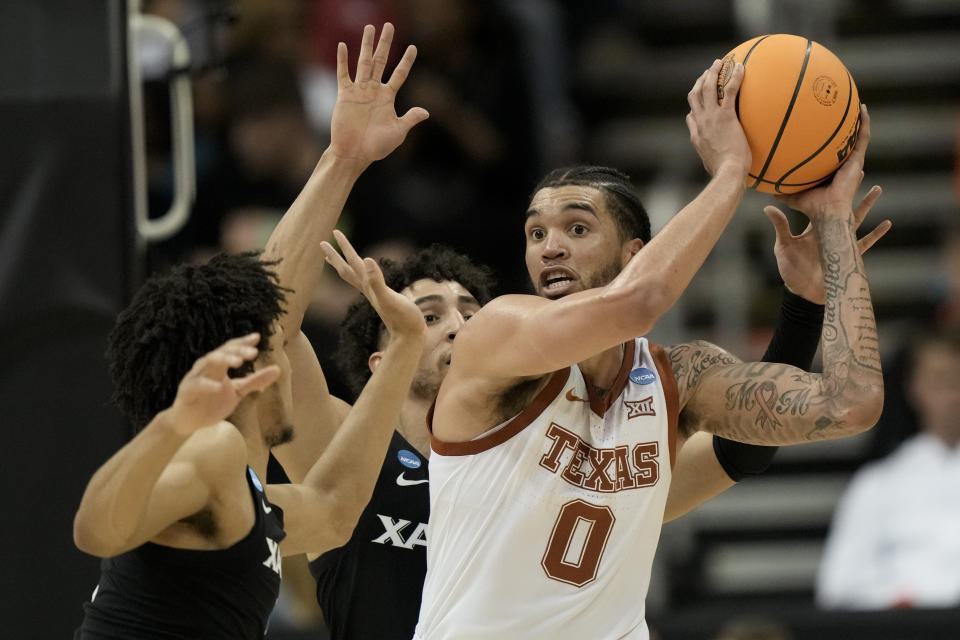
<point>602,369</point>
<point>412,423</point>
<point>258,454</point>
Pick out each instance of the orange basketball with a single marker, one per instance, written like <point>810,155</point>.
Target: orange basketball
<point>799,108</point>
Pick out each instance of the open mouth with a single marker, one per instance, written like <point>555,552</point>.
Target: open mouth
<point>555,281</point>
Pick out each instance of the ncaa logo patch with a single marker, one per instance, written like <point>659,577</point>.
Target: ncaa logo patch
<point>256,480</point>
<point>408,459</point>
<point>642,375</point>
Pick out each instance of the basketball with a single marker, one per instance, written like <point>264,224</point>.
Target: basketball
<point>799,108</point>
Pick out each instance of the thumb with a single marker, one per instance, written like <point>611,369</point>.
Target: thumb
<point>258,380</point>
<point>780,224</point>
<point>732,86</point>
<point>375,281</point>
<point>413,117</point>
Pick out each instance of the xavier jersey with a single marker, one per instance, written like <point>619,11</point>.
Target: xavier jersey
<point>155,591</point>
<point>370,587</point>
<point>546,526</point>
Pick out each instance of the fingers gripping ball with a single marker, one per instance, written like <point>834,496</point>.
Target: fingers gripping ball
<point>799,108</point>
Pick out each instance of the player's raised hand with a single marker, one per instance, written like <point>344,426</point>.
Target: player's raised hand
<point>798,257</point>
<point>365,126</point>
<point>399,314</point>
<point>715,129</point>
<point>207,395</point>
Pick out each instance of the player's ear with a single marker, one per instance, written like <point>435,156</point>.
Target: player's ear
<point>374,360</point>
<point>630,249</point>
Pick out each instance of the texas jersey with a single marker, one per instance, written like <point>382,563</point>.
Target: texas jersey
<point>370,587</point>
<point>155,591</point>
<point>546,525</point>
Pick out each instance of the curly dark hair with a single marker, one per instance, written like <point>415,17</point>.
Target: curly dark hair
<point>361,329</point>
<point>177,317</point>
<point>621,198</point>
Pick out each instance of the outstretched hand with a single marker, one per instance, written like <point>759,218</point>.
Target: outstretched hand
<point>365,126</point>
<point>798,257</point>
<point>399,314</point>
<point>206,395</point>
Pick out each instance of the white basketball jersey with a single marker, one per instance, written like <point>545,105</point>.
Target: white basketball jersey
<point>546,526</point>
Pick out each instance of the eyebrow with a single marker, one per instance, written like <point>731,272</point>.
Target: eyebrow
<point>438,298</point>
<point>573,206</point>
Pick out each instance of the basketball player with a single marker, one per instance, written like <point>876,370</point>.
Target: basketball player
<point>191,541</point>
<point>555,430</point>
<point>370,587</point>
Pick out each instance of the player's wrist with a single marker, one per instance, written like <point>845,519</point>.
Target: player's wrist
<point>813,294</point>
<point>734,170</point>
<point>406,338</point>
<point>831,212</point>
<point>177,422</point>
<point>342,160</point>
<point>805,307</point>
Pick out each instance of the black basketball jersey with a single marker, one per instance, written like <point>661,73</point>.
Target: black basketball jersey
<point>370,587</point>
<point>155,591</point>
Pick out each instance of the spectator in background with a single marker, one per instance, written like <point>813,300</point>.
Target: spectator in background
<point>270,140</point>
<point>894,540</point>
<point>899,420</point>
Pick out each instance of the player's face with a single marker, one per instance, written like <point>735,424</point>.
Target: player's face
<point>446,306</point>
<point>573,243</point>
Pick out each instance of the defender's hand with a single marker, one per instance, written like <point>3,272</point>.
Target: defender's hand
<point>365,126</point>
<point>206,395</point>
<point>399,314</point>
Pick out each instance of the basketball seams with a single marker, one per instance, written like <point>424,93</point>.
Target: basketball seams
<point>786,117</point>
<point>809,183</point>
<point>736,104</point>
<point>846,112</point>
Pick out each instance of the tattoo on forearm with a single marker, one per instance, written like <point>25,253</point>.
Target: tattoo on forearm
<point>690,361</point>
<point>848,307</point>
<point>832,289</point>
<point>867,338</point>
<point>777,404</point>
<point>822,427</point>
<point>750,394</point>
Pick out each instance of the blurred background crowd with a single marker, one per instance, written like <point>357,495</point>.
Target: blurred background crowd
<point>516,87</point>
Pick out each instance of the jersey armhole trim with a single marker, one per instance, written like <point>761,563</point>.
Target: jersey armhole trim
<point>600,405</point>
<point>540,402</point>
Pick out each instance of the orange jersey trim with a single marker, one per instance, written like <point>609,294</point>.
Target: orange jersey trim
<point>522,420</point>
<point>600,404</point>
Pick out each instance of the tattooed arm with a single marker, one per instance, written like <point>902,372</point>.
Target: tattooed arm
<point>765,403</point>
